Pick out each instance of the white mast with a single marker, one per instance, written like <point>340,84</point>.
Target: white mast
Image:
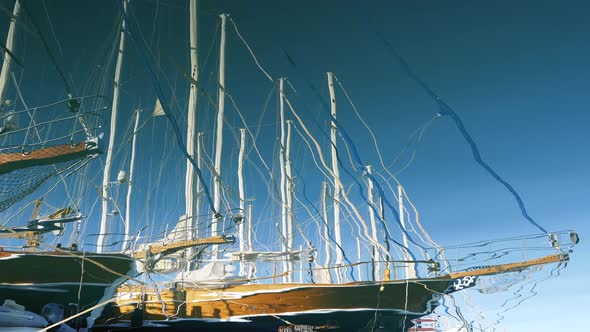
<point>322,272</point>
<point>326,228</point>
<point>375,251</point>
<point>337,183</point>
<point>285,232</point>
<point>409,267</point>
<point>251,266</point>
<point>241,237</point>
<point>7,64</point>
<point>130,183</point>
<point>196,232</point>
<point>219,135</point>
<point>191,182</point>
<point>289,192</point>
<point>282,186</point>
<point>109,157</point>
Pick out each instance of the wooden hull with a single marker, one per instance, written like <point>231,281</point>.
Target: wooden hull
<point>345,307</point>
<point>33,279</point>
<point>350,306</point>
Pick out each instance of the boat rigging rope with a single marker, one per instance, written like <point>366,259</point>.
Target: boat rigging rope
<point>354,153</point>
<point>290,106</point>
<point>249,49</point>
<point>73,104</point>
<point>422,129</point>
<point>446,110</point>
<point>12,56</point>
<point>156,84</point>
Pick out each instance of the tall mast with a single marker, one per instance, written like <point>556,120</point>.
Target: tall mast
<point>7,64</point>
<point>108,162</point>
<point>410,272</point>
<point>376,255</point>
<point>241,235</point>
<point>130,182</point>
<point>326,229</point>
<point>337,184</point>
<point>196,232</point>
<point>219,135</point>
<point>283,186</point>
<point>289,202</point>
<point>191,182</point>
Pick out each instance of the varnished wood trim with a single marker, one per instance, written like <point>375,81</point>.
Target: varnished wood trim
<point>55,154</point>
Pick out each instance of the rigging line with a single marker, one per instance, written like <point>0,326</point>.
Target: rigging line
<point>48,51</point>
<point>12,56</point>
<point>373,207</point>
<point>313,156</point>
<point>52,30</point>
<point>158,293</point>
<point>171,119</point>
<point>265,107</point>
<point>249,49</point>
<point>405,210</point>
<point>445,109</point>
<point>332,241</point>
<point>420,131</point>
<point>346,138</point>
<point>382,220</point>
<point>344,195</point>
<point>229,96</point>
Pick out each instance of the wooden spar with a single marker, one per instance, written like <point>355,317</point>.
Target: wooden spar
<point>101,240</point>
<point>337,183</point>
<point>219,135</point>
<point>7,64</point>
<point>191,182</point>
<point>503,268</point>
<point>130,182</point>
<point>47,156</point>
<point>167,249</point>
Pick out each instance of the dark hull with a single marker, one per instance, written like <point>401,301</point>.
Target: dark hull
<point>33,279</point>
<point>337,321</point>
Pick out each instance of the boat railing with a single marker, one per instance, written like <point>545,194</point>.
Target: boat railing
<point>501,251</point>
<point>36,144</point>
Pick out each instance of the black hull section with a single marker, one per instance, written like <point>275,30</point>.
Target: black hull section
<point>340,321</point>
<point>76,278</point>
